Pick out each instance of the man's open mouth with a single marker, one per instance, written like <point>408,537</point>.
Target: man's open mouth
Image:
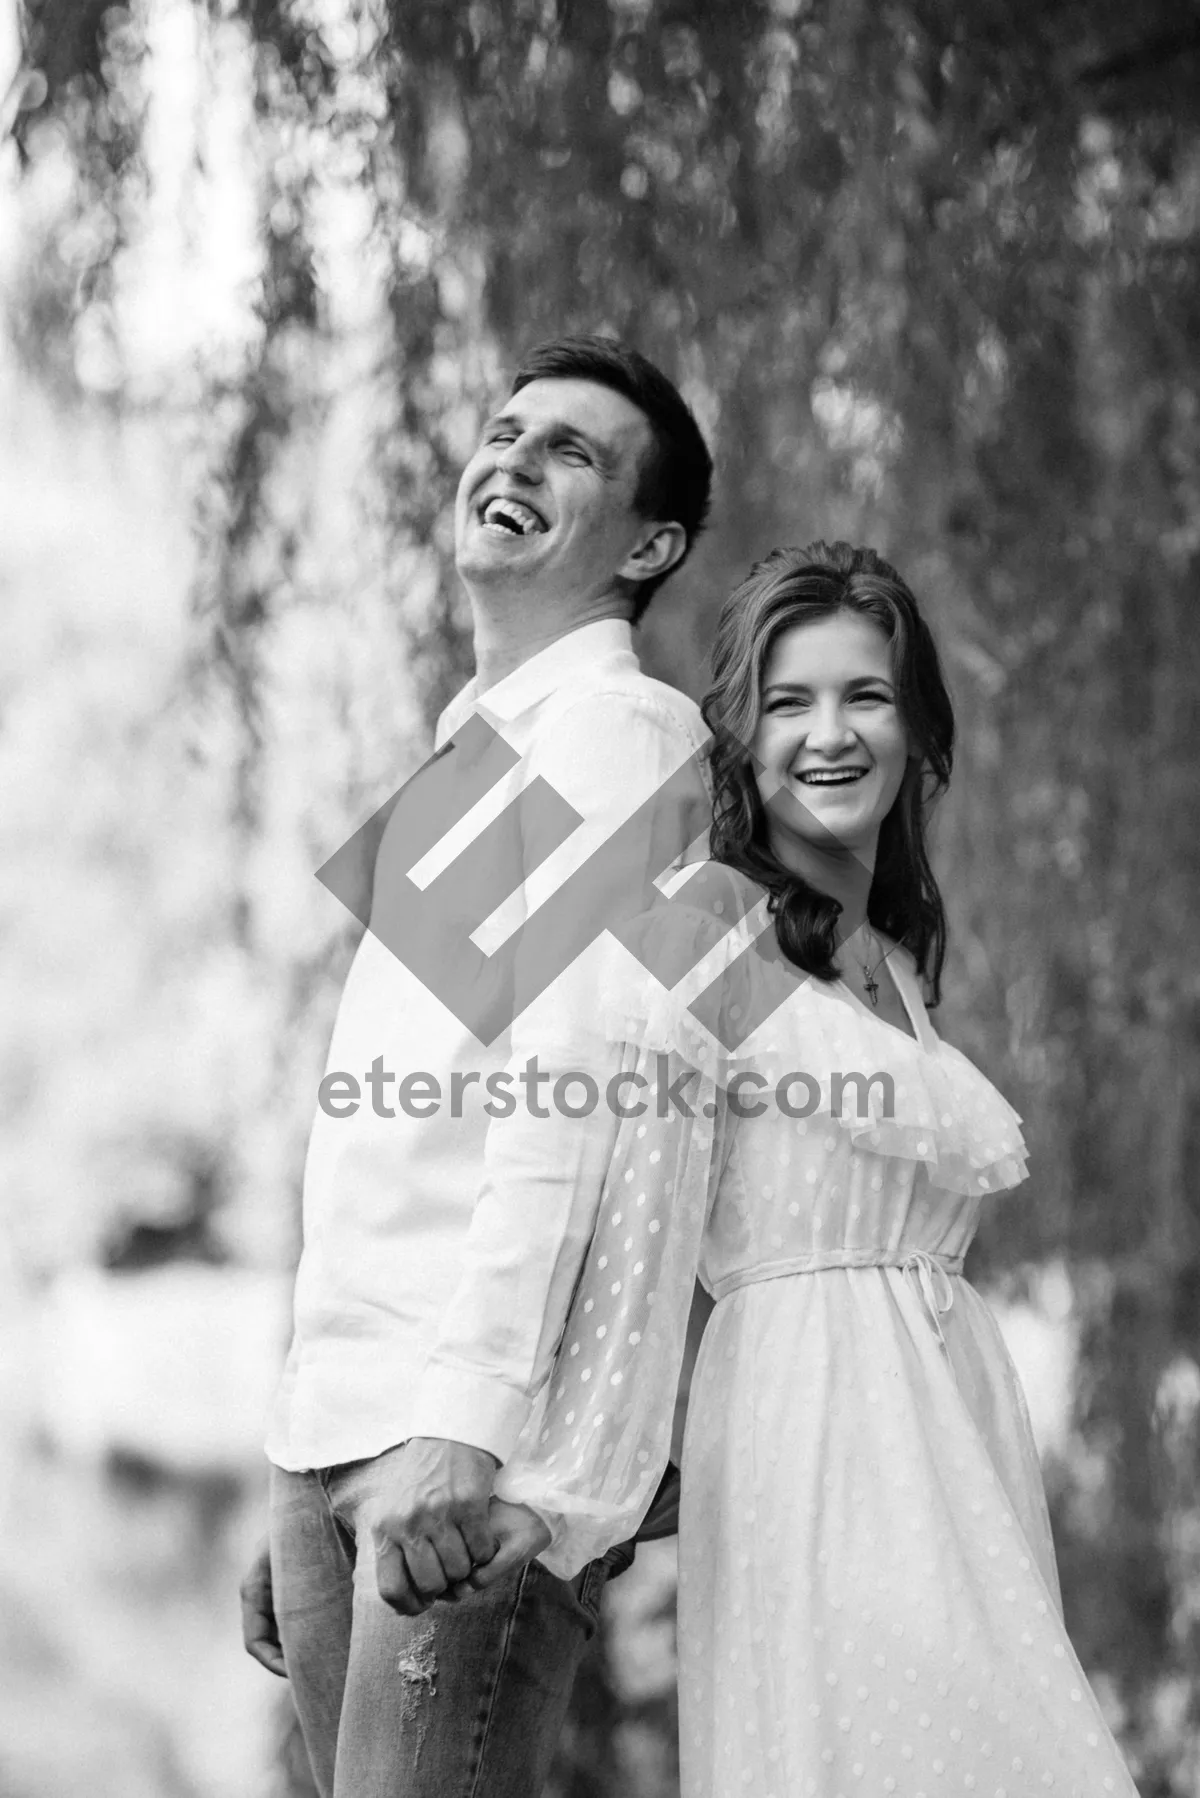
<point>831,777</point>
<point>512,518</point>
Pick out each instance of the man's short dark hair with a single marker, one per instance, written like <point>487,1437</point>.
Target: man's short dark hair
<point>675,479</point>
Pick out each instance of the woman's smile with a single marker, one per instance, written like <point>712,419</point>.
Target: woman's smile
<point>830,777</point>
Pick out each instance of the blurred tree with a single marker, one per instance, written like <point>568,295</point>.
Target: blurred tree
<point>930,276</point>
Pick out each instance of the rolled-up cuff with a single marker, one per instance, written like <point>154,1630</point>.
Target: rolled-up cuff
<point>458,1406</point>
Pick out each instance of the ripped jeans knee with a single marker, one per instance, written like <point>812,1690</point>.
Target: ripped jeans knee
<point>417,1663</point>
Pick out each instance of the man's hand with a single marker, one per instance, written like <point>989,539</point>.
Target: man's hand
<point>260,1632</point>
<point>432,1527</point>
<point>521,1536</point>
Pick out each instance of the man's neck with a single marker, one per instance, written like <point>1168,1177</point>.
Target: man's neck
<point>504,639</point>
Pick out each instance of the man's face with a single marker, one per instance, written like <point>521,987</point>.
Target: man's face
<point>546,501</point>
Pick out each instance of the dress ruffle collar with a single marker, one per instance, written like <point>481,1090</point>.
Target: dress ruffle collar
<point>943,1111</point>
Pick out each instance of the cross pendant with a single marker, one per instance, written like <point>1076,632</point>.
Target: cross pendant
<point>872,989</point>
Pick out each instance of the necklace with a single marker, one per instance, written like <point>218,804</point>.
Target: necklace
<point>870,984</point>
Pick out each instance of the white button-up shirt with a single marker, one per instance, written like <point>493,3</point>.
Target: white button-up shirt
<point>421,1308</point>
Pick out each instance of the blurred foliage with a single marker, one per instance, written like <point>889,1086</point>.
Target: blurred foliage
<point>931,276</point>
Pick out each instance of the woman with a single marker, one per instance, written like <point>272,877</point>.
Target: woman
<point>868,1599</point>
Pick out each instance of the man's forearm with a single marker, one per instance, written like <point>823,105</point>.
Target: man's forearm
<point>521,1263</point>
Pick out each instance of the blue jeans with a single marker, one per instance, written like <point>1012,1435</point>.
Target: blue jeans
<point>466,1701</point>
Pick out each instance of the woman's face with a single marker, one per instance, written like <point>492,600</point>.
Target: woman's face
<point>829,736</point>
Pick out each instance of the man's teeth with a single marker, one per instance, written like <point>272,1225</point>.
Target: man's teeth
<point>831,777</point>
<point>511,516</point>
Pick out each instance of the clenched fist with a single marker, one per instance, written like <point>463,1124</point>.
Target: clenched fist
<point>430,1527</point>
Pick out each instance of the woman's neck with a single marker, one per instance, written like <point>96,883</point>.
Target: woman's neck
<point>841,874</point>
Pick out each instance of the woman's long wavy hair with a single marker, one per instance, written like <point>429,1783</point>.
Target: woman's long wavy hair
<point>801,586</point>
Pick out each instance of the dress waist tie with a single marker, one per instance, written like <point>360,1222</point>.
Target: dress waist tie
<point>932,1273</point>
<point>933,1277</point>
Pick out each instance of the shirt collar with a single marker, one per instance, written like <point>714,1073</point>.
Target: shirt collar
<point>606,641</point>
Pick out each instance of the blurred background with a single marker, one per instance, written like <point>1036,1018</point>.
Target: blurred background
<point>929,272</point>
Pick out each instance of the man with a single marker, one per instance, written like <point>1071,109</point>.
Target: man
<point>587,490</point>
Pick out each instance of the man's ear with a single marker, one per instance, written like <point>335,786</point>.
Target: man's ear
<point>660,549</point>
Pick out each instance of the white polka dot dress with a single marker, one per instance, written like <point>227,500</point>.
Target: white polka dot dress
<point>868,1601</point>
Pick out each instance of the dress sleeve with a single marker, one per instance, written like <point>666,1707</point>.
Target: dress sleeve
<point>595,1446</point>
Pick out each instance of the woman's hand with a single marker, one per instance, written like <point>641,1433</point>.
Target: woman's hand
<point>521,1535</point>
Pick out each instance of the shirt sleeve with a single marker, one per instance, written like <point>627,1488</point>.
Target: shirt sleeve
<point>629,769</point>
